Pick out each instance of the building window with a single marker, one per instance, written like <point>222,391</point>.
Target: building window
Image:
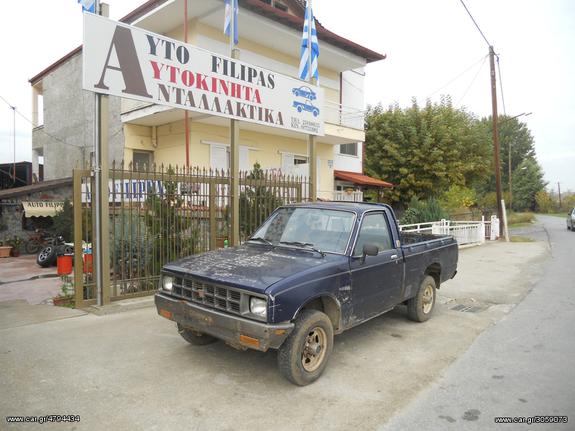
<point>142,161</point>
<point>299,160</point>
<point>348,149</point>
<point>281,6</point>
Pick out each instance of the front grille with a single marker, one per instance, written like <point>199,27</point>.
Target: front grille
<point>218,297</point>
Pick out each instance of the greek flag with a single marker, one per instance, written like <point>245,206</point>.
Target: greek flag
<point>304,73</point>
<point>88,5</point>
<point>228,19</point>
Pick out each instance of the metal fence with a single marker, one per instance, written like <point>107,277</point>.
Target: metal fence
<point>465,232</point>
<point>160,214</point>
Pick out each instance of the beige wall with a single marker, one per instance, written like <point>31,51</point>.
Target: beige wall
<point>196,28</point>
<point>264,148</point>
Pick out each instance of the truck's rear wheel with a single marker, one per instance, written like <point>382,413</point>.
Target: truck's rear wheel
<point>194,337</point>
<point>304,354</point>
<point>421,306</point>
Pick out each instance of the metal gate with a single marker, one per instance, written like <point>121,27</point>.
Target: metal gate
<point>160,214</point>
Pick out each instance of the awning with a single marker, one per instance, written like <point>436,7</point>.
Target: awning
<point>360,179</point>
<point>42,208</point>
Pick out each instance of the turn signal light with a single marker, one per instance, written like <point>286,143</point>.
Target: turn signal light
<point>244,339</point>
<point>165,313</point>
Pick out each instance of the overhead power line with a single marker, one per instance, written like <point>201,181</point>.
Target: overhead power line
<point>501,87</point>
<point>50,135</point>
<point>472,81</point>
<point>483,58</point>
<point>475,22</point>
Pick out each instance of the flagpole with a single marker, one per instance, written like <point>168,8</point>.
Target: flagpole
<point>186,112</point>
<point>312,155</point>
<point>234,144</point>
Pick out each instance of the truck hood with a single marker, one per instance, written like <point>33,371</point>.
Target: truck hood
<point>251,267</point>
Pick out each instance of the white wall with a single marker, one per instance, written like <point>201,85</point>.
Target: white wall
<point>344,162</point>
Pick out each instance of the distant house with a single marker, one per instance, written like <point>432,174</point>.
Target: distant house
<point>145,133</point>
<point>26,208</point>
<point>18,174</point>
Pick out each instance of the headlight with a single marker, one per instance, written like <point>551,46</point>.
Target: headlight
<point>258,306</point>
<point>167,282</point>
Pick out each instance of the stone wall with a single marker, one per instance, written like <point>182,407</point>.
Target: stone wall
<point>12,215</point>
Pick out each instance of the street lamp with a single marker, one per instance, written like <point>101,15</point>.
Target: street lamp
<point>524,114</point>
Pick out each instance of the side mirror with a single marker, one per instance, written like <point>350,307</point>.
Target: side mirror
<point>370,250</point>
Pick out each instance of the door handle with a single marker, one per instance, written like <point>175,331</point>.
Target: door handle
<point>393,256</point>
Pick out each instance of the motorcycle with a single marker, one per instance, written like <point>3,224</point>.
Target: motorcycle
<point>55,247</point>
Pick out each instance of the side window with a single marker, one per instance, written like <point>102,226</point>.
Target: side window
<point>374,231</point>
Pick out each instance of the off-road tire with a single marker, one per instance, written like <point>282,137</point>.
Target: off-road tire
<point>194,337</point>
<point>418,308</point>
<point>46,256</point>
<point>310,324</point>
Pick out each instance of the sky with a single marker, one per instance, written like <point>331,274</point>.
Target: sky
<point>432,48</point>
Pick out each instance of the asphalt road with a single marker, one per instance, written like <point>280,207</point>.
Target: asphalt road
<point>521,367</point>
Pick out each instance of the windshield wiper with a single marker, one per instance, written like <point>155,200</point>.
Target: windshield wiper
<point>303,244</point>
<point>259,238</point>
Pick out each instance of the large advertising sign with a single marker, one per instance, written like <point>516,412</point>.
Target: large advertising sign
<point>126,61</point>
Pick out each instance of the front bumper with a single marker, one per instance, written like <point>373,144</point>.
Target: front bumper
<point>235,330</point>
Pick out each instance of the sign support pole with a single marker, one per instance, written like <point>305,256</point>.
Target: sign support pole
<point>234,149</point>
<point>100,197</point>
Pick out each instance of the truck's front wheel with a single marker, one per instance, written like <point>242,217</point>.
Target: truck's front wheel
<point>421,307</point>
<point>194,337</point>
<point>304,355</point>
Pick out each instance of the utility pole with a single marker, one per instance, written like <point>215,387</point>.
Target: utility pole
<point>510,183</point>
<point>496,160</point>
<point>559,191</point>
<point>14,143</point>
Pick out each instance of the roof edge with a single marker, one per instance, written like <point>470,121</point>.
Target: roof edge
<point>132,16</point>
<point>255,6</point>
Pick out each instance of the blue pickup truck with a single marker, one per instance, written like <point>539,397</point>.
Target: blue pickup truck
<point>309,272</point>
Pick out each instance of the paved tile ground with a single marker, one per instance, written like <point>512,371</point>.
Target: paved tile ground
<point>21,278</point>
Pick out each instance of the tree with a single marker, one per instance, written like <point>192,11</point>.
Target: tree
<point>257,201</point>
<point>527,182</point>
<point>514,133</point>
<point>63,222</point>
<point>423,152</point>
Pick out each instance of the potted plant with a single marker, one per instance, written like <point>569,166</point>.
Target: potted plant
<point>5,249</point>
<point>222,232</point>
<point>65,298</point>
<point>16,244</point>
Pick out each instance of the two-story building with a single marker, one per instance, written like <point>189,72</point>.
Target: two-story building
<point>144,133</point>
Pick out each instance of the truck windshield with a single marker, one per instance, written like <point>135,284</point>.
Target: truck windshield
<point>323,229</point>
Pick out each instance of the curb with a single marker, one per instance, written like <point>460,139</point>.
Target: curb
<point>121,306</point>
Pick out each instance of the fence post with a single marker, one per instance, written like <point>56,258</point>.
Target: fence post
<point>78,263</point>
<point>212,215</point>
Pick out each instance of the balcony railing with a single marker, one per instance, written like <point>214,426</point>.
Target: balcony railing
<point>334,113</point>
<point>345,196</point>
<point>342,115</point>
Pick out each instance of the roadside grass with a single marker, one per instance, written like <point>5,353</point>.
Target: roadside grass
<point>518,220</point>
<point>519,225</point>
<point>519,238</point>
